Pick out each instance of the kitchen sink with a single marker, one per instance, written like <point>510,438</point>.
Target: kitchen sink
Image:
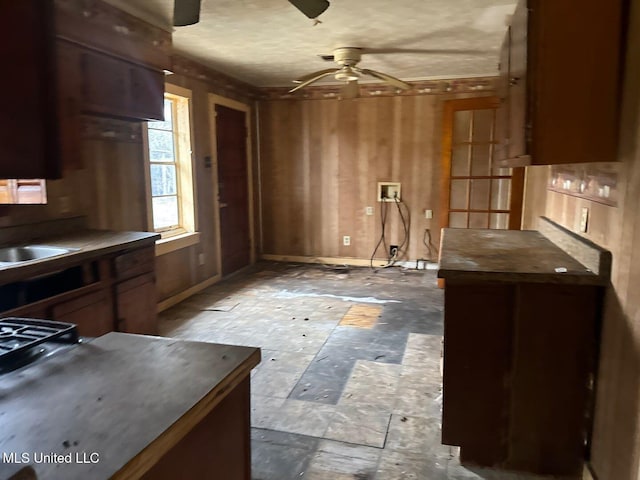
<point>9,255</point>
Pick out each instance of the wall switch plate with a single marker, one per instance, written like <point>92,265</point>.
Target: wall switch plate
<point>584,220</point>
<point>346,240</point>
<point>201,258</point>
<point>369,210</point>
<point>428,214</point>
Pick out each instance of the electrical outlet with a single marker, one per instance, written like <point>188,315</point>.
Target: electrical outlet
<point>65,204</point>
<point>428,214</point>
<point>346,240</point>
<point>369,210</point>
<point>393,250</point>
<point>201,258</point>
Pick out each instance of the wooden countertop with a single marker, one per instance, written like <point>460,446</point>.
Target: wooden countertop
<point>127,398</point>
<point>87,244</point>
<point>508,256</point>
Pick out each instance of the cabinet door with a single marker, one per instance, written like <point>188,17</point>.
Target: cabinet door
<point>92,313</point>
<point>105,84</point>
<point>501,149</point>
<point>136,305</point>
<point>147,93</point>
<point>69,88</point>
<point>28,140</point>
<point>519,128</point>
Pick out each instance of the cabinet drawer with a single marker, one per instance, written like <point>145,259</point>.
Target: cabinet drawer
<point>134,263</point>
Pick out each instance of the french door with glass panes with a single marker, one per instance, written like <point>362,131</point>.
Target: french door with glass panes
<point>476,193</point>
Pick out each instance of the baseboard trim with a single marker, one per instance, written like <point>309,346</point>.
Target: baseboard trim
<point>178,297</point>
<point>351,261</point>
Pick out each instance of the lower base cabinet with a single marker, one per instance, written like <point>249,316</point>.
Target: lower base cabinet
<point>136,305</point>
<point>519,361</point>
<point>92,313</point>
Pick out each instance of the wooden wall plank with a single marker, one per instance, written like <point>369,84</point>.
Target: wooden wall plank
<point>325,159</point>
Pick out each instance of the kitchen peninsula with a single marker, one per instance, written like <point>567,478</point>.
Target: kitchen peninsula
<point>128,406</point>
<point>520,346</point>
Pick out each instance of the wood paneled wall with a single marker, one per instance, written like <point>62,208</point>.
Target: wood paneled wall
<point>321,160</point>
<point>616,436</point>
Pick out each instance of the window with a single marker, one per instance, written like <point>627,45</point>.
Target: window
<point>23,191</point>
<point>170,170</point>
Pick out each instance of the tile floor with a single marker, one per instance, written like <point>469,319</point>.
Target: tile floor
<point>349,386</point>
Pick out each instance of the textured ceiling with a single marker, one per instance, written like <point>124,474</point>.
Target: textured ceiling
<point>270,42</point>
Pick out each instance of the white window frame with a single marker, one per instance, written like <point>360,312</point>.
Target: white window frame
<point>185,234</point>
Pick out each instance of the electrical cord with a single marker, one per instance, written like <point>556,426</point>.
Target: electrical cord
<point>383,221</point>
<point>405,227</point>
<point>429,244</point>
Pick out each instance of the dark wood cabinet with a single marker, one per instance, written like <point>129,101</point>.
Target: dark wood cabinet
<point>92,313</point>
<point>136,305</point>
<point>115,87</point>
<point>116,291</point>
<point>57,68</point>
<point>520,348</point>
<point>28,133</point>
<point>561,71</point>
<point>135,291</point>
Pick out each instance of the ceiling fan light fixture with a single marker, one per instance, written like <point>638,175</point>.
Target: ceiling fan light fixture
<point>311,8</point>
<point>347,74</point>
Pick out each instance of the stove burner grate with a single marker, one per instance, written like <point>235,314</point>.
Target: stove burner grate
<point>20,335</point>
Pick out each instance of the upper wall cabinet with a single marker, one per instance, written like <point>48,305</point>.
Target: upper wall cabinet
<point>561,82</point>
<point>28,132</point>
<point>63,58</point>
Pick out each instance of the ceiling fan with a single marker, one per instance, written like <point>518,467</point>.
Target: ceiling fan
<point>348,72</point>
<point>186,12</point>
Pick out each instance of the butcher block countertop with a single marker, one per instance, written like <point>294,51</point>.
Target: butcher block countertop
<point>509,256</point>
<point>85,245</point>
<point>121,401</point>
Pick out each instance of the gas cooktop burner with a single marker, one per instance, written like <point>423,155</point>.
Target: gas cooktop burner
<point>21,339</point>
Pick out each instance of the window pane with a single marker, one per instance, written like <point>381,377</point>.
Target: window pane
<point>460,161</point>
<point>161,148</point>
<point>165,212</point>
<point>461,126</point>
<point>480,160</point>
<point>482,125</point>
<point>479,194</point>
<point>458,220</point>
<point>500,194</point>
<point>163,180</point>
<point>478,220</point>
<point>458,195</point>
<point>499,221</point>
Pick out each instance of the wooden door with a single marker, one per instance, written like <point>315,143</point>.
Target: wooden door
<point>476,192</point>
<point>233,188</point>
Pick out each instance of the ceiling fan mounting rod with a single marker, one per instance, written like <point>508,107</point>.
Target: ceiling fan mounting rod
<point>347,56</point>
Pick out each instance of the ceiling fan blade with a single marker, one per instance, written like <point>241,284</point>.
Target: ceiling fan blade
<point>186,12</point>
<point>304,78</point>
<point>434,51</point>
<point>311,8</point>
<point>396,82</point>
<point>350,90</point>
<point>317,76</point>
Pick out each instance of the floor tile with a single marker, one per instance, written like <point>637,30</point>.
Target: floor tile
<point>335,460</point>
<point>396,465</point>
<point>359,425</point>
<point>415,434</point>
